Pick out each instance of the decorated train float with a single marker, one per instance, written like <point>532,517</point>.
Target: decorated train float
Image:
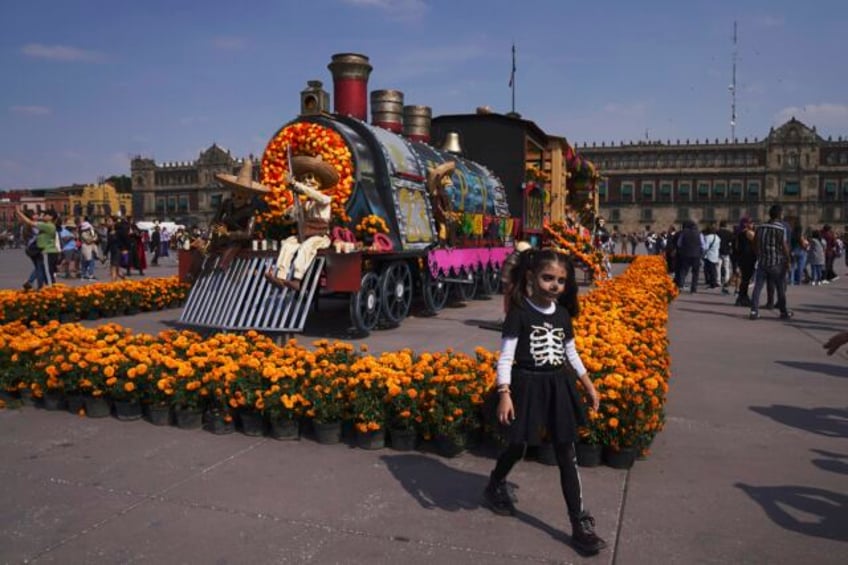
<point>410,222</point>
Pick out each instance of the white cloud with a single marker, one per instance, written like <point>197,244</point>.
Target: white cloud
<point>829,117</point>
<point>394,9</point>
<point>30,110</point>
<point>62,53</point>
<point>229,43</point>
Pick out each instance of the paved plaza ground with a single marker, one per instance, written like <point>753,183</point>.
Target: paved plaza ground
<point>752,466</point>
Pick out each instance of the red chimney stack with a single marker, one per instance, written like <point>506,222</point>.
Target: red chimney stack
<point>350,84</point>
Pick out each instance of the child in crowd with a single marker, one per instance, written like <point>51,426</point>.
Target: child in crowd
<point>538,400</point>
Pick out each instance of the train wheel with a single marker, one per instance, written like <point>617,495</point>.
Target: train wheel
<point>434,291</point>
<point>396,291</point>
<point>465,291</point>
<point>365,304</point>
<point>490,280</point>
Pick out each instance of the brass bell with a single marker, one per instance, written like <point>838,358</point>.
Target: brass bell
<point>452,143</point>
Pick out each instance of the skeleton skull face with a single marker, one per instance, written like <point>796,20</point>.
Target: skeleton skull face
<point>310,179</point>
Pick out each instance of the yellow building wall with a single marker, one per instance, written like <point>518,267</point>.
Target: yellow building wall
<point>99,196</point>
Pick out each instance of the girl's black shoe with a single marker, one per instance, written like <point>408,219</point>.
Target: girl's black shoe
<point>498,498</point>
<point>583,536</point>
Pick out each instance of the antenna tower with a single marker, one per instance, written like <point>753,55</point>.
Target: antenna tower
<point>733,91</point>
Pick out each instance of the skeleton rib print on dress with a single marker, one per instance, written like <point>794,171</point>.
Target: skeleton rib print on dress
<point>547,344</point>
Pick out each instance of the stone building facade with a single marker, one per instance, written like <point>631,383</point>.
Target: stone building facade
<point>183,192</point>
<point>655,185</point>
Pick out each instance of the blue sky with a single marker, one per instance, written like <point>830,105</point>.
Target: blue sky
<point>87,84</point>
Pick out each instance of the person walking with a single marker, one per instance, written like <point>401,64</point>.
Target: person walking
<point>745,258</point>
<point>538,401</point>
<point>771,243</point>
<point>816,259</point>
<point>690,250</point>
<point>48,244</point>
<point>798,245</point>
<point>726,266</point>
<point>712,243</point>
<point>88,249</point>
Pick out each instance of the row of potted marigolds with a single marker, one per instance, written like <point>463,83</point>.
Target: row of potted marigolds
<point>264,387</point>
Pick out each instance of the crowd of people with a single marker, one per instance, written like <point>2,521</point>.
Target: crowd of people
<point>71,249</point>
<point>772,255</point>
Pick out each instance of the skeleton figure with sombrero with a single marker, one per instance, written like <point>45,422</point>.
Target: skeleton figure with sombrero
<point>311,176</point>
<point>233,223</point>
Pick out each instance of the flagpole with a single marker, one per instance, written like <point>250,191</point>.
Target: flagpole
<point>512,77</point>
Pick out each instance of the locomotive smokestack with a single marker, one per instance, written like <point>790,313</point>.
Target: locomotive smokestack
<point>350,84</point>
<point>416,122</point>
<point>387,109</point>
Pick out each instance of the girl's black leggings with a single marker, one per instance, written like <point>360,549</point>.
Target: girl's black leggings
<point>569,478</point>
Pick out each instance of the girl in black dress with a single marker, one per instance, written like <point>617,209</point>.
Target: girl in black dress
<point>538,371</point>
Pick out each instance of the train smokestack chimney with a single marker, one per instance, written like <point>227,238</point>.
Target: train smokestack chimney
<point>416,122</point>
<point>387,109</point>
<point>350,84</point>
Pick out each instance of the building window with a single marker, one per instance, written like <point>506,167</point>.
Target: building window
<point>845,190</point>
<point>684,190</point>
<point>646,215</point>
<point>665,191</point>
<point>682,214</point>
<point>720,189</point>
<point>828,214</point>
<point>791,188</point>
<point>830,187</point>
<point>215,201</point>
<point>627,191</point>
<point>703,190</point>
<point>160,205</point>
<point>736,189</point>
<point>183,203</point>
<point>615,215</point>
<point>709,214</point>
<point>647,190</point>
<point>172,204</point>
<point>753,190</point>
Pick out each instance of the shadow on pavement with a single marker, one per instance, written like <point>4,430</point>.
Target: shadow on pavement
<point>436,485</point>
<point>810,511</point>
<point>832,462</point>
<point>823,368</point>
<point>830,422</point>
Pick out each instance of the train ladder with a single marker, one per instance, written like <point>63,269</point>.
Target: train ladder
<point>240,298</point>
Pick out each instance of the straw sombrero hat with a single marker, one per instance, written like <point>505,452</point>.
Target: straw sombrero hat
<point>244,180</point>
<point>323,171</point>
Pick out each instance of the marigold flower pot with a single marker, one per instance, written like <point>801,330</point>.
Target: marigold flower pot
<point>284,429</point>
<point>188,418</point>
<point>327,432</point>
<point>621,458</point>
<point>127,410</point>
<point>450,446</point>
<point>96,406</point>
<point>157,414</point>
<point>74,402</point>
<point>26,397</point>
<point>403,440</point>
<point>372,439</point>
<point>53,400</point>
<point>589,454</point>
<point>219,423</point>
<point>251,423</point>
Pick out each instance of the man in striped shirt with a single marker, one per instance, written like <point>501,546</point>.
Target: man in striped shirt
<point>771,244</point>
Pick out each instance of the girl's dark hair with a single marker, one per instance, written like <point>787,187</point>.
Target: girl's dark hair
<point>531,261</point>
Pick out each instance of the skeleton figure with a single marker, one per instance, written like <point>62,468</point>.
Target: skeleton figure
<point>547,345</point>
